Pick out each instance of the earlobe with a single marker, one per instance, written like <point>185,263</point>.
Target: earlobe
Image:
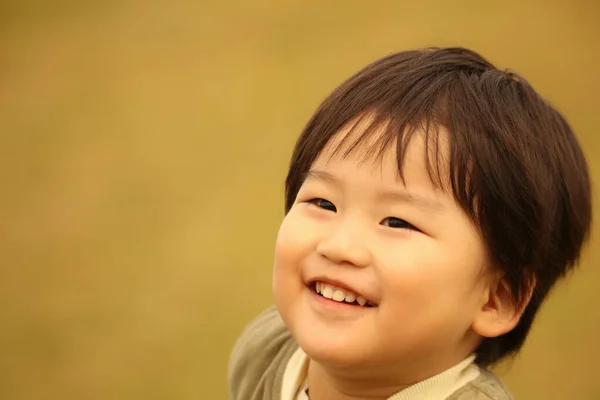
<point>499,312</point>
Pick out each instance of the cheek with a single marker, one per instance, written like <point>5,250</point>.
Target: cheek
<point>295,239</point>
<point>432,283</point>
<point>287,244</point>
<point>289,252</point>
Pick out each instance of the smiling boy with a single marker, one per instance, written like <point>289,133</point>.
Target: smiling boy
<point>432,202</point>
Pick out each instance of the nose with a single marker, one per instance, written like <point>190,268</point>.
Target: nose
<point>346,243</point>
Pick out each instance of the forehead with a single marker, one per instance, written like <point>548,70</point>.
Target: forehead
<point>368,140</point>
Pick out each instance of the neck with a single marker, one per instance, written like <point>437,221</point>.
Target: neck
<point>338,384</point>
<point>335,383</point>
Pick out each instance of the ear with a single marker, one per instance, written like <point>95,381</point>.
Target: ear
<point>499,312</point>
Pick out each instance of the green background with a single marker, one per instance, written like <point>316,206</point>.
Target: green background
<point>143,148</point>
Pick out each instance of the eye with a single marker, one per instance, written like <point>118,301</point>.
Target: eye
<point>324,204</point>
<point>397,223</point>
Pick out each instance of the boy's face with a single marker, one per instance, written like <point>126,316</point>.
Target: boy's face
<point>410,251</point>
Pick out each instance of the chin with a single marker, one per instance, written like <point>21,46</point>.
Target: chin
<point>331,350</point>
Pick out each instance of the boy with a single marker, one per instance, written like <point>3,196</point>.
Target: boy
<point>431,204</point>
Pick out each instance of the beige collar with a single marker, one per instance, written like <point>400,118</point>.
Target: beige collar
<point>437,387</point>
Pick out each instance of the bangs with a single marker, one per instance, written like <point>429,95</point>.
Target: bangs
<point>373,133</point>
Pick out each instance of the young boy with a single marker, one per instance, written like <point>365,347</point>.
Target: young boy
<point>431,204</point>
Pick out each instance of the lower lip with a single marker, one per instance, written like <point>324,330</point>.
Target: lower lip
<point>335,305</point>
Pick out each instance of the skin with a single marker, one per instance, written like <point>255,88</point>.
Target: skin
<point>409,249</point>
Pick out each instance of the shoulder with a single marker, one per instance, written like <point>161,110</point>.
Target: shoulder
<point>259,358</point>
<point>486,386</point>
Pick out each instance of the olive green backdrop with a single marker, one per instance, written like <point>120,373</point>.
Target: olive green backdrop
<point>143,148</point>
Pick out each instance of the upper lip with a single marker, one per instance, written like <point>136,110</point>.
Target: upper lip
<point>342,285</point>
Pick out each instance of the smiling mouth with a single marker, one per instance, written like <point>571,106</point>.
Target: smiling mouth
<point>340,295</point>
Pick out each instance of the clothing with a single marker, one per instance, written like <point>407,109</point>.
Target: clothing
<point>439,386</point>
<point>266,349</point>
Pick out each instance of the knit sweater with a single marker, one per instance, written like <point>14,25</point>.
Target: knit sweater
<point>261,354</point>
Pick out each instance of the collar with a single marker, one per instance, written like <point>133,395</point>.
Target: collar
<point>437,387</point>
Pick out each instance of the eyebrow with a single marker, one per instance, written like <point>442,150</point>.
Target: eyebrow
<point>386,195</point>
<point>319,175</point>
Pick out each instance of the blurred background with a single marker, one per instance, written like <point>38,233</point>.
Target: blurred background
<point>143,149</point>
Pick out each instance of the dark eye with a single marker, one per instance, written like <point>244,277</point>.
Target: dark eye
<point>397,223</point>
<point>324,204</point>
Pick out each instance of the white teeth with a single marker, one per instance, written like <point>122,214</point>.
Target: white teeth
<point>338,295</point>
